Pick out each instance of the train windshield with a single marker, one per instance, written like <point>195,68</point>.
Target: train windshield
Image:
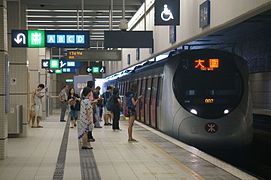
<point>208,87</point>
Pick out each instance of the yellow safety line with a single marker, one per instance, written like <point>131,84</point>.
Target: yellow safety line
<point>181,165</point>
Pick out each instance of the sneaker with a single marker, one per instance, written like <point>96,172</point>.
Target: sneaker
<point>62,121</point>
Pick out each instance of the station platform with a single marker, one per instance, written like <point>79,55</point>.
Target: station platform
<point>53,152</point>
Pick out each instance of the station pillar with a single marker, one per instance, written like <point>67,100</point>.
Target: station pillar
<point>19,75</point>
<point>3,57</point>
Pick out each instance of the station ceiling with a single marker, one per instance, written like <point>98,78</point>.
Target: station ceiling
<point>66,15</point>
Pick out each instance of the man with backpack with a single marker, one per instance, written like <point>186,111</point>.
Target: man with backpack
<point>131,103</point>
<point>107,114</point>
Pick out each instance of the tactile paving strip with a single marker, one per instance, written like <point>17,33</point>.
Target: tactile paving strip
<point>89,169</point>
<point>60,165</point>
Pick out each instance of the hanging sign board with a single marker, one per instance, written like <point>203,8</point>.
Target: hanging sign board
<point>41,39</point>
<point>95,55</point>
<point>167,12</point>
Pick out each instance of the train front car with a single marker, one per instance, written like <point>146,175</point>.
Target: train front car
<point>206,99</point>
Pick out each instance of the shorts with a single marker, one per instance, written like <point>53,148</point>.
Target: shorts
<point>38,110</point>
<point>131,112</point>
<point>106,111</point>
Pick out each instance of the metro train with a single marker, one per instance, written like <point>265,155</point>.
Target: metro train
<point>200,97</point>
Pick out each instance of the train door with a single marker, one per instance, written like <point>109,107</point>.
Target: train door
<point>148,100</point>
<point>142,100</point>
<point>159,102</point>
<point>138,106</point>
<point>154,99</point>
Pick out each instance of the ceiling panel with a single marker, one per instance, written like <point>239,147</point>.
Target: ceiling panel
<point>67,15</point>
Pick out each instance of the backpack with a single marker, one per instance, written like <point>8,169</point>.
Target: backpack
<point>130,104</point>
<point>106,97</point>
<point>110,104</point>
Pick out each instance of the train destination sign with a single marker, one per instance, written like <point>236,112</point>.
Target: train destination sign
<point>207,65</point>
<point>95,55</point>
<point>41,39</point>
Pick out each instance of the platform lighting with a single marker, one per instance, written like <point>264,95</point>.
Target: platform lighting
<point>193,111</point>
<point>226,111</point>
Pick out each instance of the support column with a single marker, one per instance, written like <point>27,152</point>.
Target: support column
<point>3,54</point>
<point>18,62</point>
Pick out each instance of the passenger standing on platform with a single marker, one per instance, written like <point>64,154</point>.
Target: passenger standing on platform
<point>131,103</point>
<point>85,123</point>
<point>37,103</point>
<point>116,108</point>
<point>90,84</point>
<point>97,107</point>
<point>63,97</point>
<point>74,102</point>
<point>107,114</point>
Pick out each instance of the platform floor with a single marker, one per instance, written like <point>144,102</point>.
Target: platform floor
<point>53,153</point>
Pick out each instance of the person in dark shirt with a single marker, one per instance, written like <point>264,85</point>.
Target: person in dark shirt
<point>74,102</point>
<point>116,109</point>
<point>107,114</point>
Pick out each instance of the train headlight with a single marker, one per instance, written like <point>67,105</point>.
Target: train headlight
<point>226,111</point>
<point>193,111</point>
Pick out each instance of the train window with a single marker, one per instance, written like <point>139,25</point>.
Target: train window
<point>142,101</point>
<point>147,101</point>
<point>153,109</point>
<point>139,105</point>
<point>208,93</point>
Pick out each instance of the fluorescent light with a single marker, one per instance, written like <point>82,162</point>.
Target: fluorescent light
<point>68,21</point>
<point>69,10</point>
<point>86,17</point>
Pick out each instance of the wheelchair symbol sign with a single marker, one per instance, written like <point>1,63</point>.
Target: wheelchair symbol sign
<point>166,14</point>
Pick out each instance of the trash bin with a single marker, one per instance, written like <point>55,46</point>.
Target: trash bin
<point>15,119</point>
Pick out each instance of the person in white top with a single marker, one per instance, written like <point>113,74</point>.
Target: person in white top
<point>37,95</point>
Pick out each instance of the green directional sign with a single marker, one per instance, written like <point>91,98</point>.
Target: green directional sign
<point>54,64</point>
<point>36,38</point>
<point>95,69</point>
<point>58,71</point>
